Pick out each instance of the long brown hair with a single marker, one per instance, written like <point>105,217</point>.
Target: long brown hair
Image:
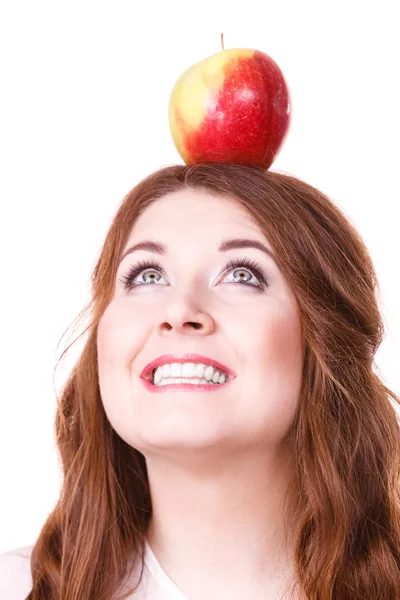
<point>346,431</point>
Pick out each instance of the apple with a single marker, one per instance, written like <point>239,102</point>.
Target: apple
<point>233,106</point>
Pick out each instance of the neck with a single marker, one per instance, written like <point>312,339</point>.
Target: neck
<point>210,523</point>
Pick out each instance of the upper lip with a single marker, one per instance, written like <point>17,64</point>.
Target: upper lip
<point>182,358</point>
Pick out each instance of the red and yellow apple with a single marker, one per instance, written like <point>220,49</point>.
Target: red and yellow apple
<point>233,106</point>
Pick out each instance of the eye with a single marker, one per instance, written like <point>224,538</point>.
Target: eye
<point>235,263</point>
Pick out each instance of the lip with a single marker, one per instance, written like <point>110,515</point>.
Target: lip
<point>182,358</point>
<point>183,387</point>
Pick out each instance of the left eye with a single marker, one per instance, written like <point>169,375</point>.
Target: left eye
<point>248,264</point>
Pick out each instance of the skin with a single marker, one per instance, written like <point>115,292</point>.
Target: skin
<point>218,462</point>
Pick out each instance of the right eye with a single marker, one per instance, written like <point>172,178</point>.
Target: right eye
<point>136,269</point>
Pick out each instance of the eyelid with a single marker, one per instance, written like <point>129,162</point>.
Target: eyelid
<point>234,263</point>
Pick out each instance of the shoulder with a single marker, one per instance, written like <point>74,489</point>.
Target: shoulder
<point>15,574</point>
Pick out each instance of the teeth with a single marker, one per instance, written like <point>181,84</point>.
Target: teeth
<point>196,372</point>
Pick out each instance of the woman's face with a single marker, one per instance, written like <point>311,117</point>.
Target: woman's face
<point>253,329</point>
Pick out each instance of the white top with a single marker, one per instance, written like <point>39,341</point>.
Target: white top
<point>16,581</point>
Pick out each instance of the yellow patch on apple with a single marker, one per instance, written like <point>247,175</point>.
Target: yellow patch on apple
<point>195,88</point>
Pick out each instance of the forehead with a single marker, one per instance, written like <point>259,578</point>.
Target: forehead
<point>196,224</point>
<point>191,214</point>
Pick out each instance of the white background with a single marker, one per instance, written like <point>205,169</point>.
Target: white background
<point>84,91</point>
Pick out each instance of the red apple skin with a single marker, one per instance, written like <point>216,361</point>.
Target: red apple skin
<point>246,109</point>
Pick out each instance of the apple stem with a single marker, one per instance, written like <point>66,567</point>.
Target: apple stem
<point>222,41</point>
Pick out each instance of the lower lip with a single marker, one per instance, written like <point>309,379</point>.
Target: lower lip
<point>184,387</point>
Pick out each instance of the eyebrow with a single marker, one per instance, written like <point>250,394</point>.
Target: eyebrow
<point>226,244</point>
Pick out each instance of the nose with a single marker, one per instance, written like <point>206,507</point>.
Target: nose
<point>183,316</point>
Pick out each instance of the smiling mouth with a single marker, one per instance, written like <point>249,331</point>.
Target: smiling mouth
<point>185,383</point>
<point>210,374</point>
<point>223,378</point>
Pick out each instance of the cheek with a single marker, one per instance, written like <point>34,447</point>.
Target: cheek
<point>275,372</point>
<point>109,333</point>
<point>282,356</point>
<point>285,345</point>
<point>115,350</point>
<point>118,339</point>
<point>273,339</point>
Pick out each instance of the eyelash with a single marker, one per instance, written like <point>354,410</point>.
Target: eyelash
<point>234,263</point>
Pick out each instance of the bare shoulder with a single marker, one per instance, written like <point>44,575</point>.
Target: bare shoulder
<point>15,574</point>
